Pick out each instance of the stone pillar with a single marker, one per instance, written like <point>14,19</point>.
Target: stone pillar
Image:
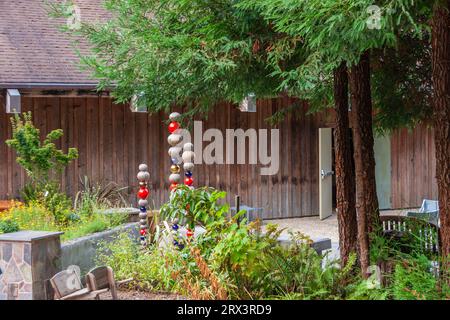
<point>27,260</point>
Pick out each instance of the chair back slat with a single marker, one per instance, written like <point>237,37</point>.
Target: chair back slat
<point>427,232</point>
<point>101,278</point>
<point>66,282</point>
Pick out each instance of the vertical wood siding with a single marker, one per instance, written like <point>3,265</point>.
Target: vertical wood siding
<point>413,167</point>
<point>112,141</point>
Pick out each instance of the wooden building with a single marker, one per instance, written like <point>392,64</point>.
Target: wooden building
<point>39,62</point>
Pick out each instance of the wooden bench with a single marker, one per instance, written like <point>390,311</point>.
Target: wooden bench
<point>67,286</point>
<point>5,205</point>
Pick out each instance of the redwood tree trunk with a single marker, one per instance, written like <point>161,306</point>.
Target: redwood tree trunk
<point>441,116</point>
<point>366,193</point>
<point>345,175</point>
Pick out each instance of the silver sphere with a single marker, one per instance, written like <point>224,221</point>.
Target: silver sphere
<point>174,116</point>
<point>188,166</point>
<point>143,167</point>
<point>174,152</point>
<point>142,203</point>
<point>142,215</point>
<point>143,176</point>
<point>188,156</point>
<point>188,147</point>
<point>174,139</point>
<point>174,178</point>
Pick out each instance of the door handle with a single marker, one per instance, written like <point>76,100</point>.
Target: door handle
<point>324,174</point>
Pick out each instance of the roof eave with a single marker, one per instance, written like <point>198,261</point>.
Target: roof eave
<point>48,85</point>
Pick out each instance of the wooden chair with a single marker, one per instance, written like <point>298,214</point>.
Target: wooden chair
<point>429,211</point>
<point>102,278</point>
<point>67,286</point>
<point>425,232</point>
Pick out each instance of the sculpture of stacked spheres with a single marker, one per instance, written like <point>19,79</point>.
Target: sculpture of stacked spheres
<point>143,177</point>
<point>174,151</point>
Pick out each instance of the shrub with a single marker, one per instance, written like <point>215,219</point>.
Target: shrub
<point>95,196</point>
<point>7,226</point>
<point>39,159</point>
<point>150,269</point>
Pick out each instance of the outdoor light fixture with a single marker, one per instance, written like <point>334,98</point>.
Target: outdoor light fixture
<point>12,101</point>
<point>137,103</point>
<point>249,103</point>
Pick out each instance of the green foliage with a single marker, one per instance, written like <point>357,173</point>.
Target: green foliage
<point>413,280</point>
<point>36,216</point>
<point>233,257</point>
<point>150,270</point>
<point>194,206</point>
<point>39,159</point>
<point>95,196</point>
<point>196,53</point>
<point>8,226</point>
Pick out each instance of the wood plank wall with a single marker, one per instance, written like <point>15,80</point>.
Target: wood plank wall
<point>112,141</point>
<point>413,167</point>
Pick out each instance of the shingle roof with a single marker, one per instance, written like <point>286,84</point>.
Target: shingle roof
<point>33,50</point>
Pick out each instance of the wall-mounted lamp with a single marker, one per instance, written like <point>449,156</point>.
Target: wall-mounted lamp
<point>249,103</point>
<point>13,101</point>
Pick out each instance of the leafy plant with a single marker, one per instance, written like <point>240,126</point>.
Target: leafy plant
<point>151,269</point>
<point>96,196</point>
<point>39,159</point>
<point>8,225</point>
<point>195,206</point>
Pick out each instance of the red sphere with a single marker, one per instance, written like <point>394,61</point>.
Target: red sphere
<point>188,181</point>
<point>143,232</point>
<point>189,233</point>
<point>173,186</point>
<point>173,126</point>
<point>143,193</point>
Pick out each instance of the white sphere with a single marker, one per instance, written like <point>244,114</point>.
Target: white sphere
<point>143,176</point>
<point>142,215</point>
<point>188,166</point>
<point>143,167</point>
<point>174,152</point>
<point>174,116</point>
<point>174,178</point>
<point>188,146</point>
<point>142,203</point>
<point>174,139</point>
<point>143,222</point>
<point>188,156</point>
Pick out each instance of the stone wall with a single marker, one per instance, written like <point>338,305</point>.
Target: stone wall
<point>82,251</point>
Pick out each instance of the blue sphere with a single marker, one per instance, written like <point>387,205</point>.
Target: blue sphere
<point>143,209</point>
<point>188,174</point>
<point>175,227</point>
<point>174,161</point>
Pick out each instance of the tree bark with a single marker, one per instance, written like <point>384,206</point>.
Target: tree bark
<point>440,42</point>
<point>366,194</point>
<point>345,175</point>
